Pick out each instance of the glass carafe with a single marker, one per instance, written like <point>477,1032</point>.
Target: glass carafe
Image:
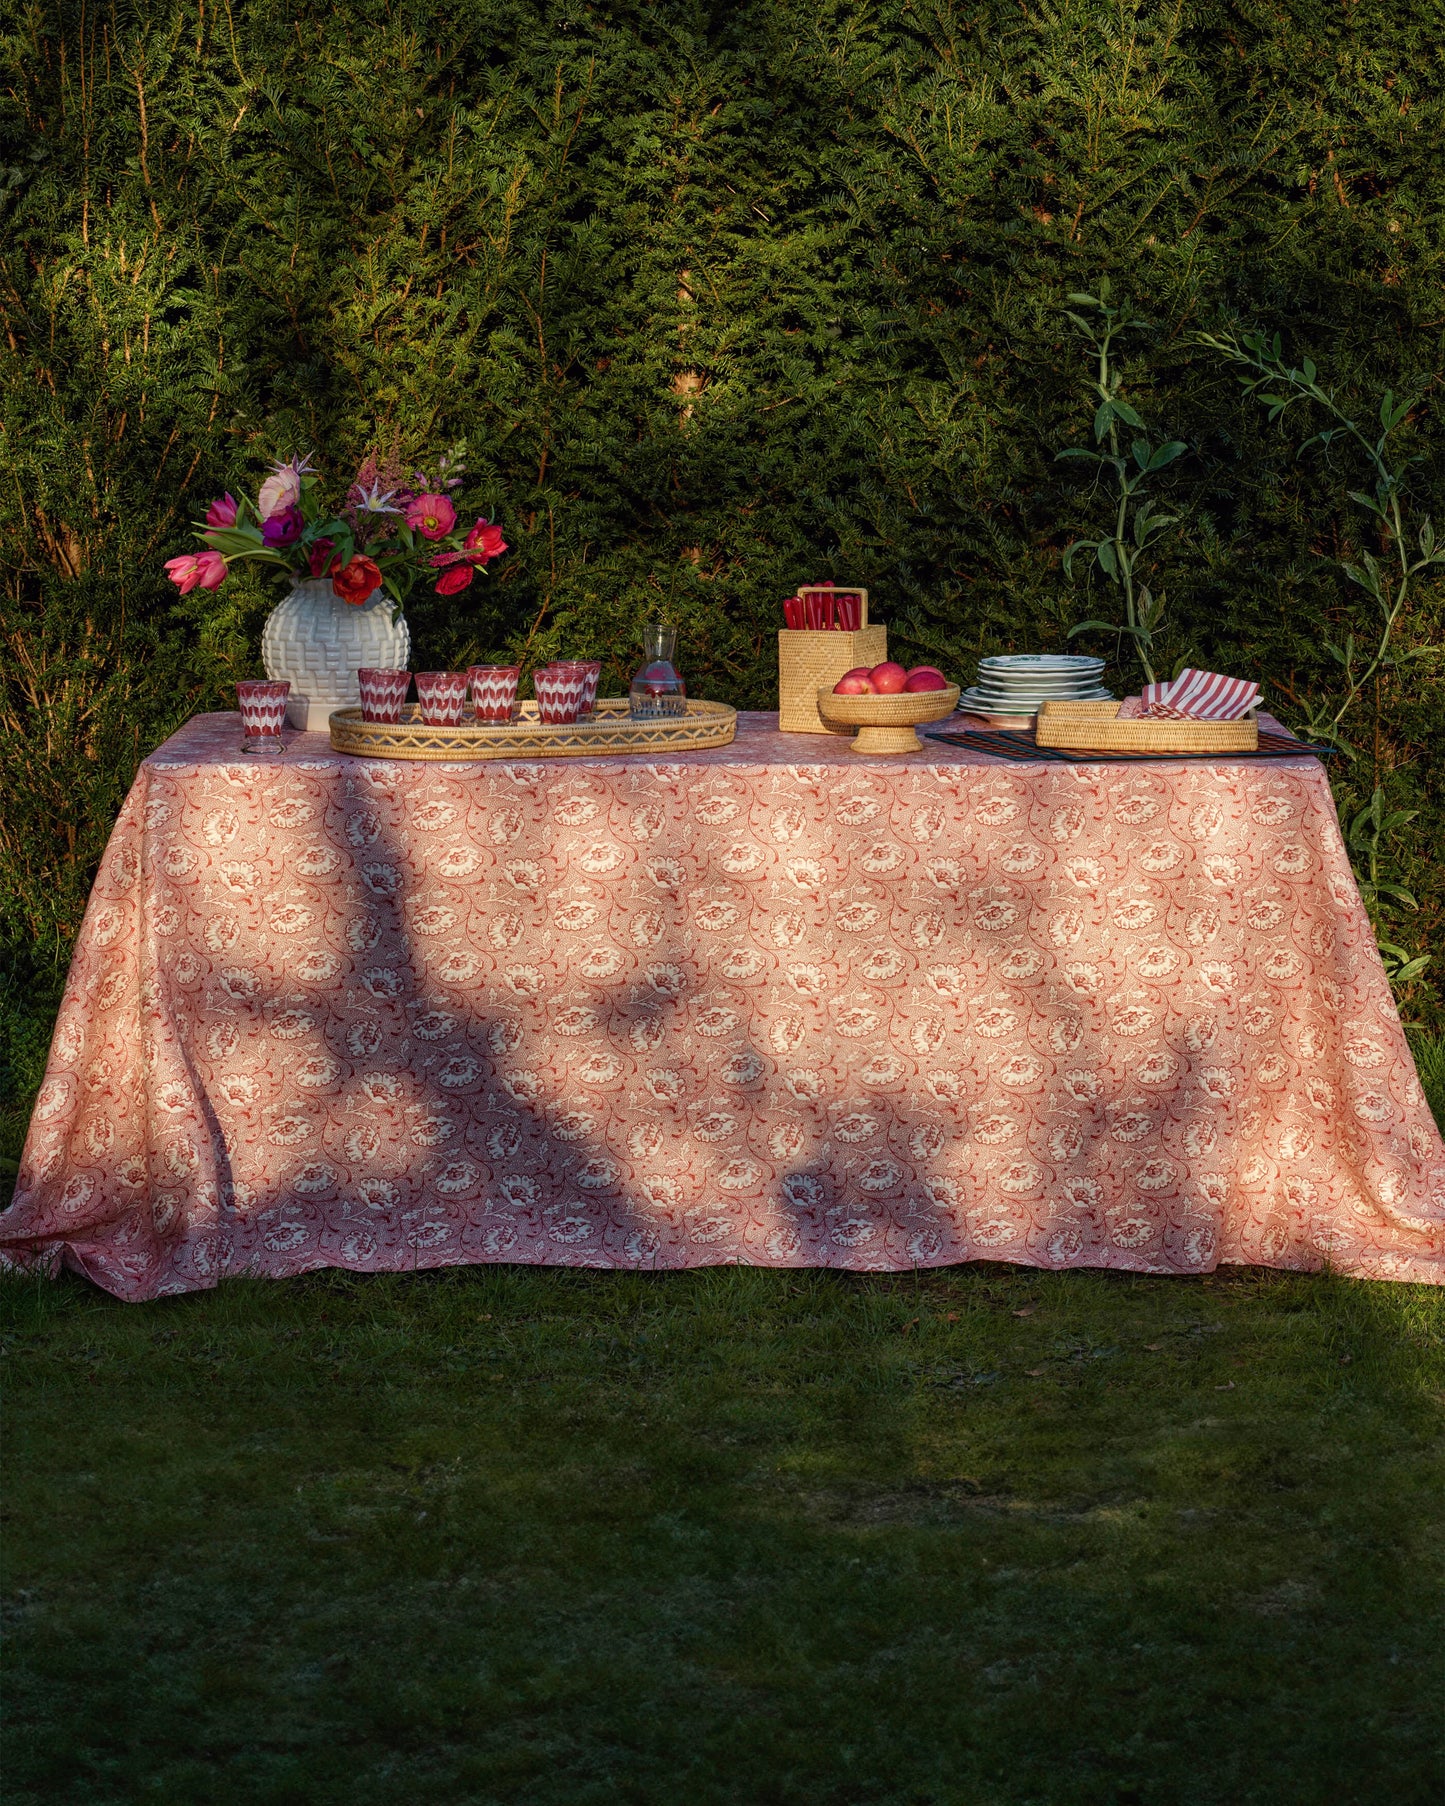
<point>657,691</point>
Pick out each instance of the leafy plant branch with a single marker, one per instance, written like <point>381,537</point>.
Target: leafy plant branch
<point>1136,526</point>
<point>1364,833</point>
<point>1389,582</point>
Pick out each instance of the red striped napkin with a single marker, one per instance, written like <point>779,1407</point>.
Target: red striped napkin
<point>1200,696</point>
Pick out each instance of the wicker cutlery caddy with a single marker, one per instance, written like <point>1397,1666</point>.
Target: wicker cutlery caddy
<point>809,662</point>
<point>1095,726</point>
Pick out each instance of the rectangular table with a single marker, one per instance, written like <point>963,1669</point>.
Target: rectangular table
<point>773,1003</point>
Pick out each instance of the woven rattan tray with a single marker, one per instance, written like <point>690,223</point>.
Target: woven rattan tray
<point>1095,726</point>
<point>1022,748</point>
<point>610,732</point>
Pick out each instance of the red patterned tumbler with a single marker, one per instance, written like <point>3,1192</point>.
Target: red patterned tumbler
<point>590,670</point>
<point>263,709</point>
<point>443,697</point>
<point>383,694</point>
<point>559,694</point>
<point>494,690</point>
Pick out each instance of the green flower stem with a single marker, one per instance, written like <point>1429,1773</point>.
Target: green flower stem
<point>1391,596</point>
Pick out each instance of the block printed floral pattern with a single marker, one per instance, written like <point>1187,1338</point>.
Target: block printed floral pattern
<point>772,1004</point>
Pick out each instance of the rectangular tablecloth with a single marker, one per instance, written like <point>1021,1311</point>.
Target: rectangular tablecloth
<point>774,1003</point>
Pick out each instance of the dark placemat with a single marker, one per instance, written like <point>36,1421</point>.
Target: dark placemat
<point>1019,744</point>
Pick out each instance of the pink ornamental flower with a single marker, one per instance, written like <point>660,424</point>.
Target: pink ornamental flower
<point>283,529</point>
<point>486,540</point>
<point>282,489</point>
<point>222,512</point>
<point>433,516</point>
<point>197,570</point>
<point>453,580</point>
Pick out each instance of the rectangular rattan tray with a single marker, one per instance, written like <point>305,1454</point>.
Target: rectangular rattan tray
<point>1094,726</point>
<point>610,732</point>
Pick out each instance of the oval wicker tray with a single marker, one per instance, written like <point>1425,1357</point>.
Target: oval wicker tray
<point>610,731</point>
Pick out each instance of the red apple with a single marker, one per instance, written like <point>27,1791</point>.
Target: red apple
<point>915,669</point>
<point>854,683</point>
<point>888,679</point>
<point>924,679</point>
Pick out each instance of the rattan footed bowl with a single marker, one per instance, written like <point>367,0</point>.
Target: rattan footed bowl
<point>885,724</point>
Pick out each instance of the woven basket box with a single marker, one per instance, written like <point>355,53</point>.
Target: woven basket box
<point>1095,727</point>
<point>809,662</point>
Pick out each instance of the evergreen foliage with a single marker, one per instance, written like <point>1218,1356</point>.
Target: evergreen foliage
<point>718,297</point>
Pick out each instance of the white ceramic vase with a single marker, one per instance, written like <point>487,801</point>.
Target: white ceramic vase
<point>317,643</point>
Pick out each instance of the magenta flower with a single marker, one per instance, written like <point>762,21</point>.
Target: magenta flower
<point>222,512</point>
<point>458,568</point>
<point>486,540</point>
<point>283,529</point>
<point>433,516</point>
<point>197,570</point>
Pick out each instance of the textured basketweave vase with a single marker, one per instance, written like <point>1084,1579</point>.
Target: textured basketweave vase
<point>318,643</point>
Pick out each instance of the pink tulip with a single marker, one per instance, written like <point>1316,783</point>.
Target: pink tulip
<point>222,512</point>
<point>197,570</point>
<point>433,516</point>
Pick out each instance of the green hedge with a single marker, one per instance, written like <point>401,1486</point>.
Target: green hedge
<point>718,298</point>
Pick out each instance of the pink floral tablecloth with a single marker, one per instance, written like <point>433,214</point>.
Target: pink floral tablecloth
<point>774,1004</point>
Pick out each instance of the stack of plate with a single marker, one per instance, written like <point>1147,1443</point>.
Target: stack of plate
<point>1015,686</point>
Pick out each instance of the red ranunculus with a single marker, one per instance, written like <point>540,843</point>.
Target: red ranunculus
<point>354,582</point>
<point>457,578</point>
<point>486,540</point>
<point>321,556</point>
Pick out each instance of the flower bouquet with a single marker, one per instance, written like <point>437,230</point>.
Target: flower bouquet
<point>393,527</point>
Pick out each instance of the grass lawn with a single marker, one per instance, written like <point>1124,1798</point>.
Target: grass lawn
<point>985,1536</point>
<point>733,1536</point>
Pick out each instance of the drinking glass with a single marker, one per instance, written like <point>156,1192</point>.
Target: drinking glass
<point>383,694</point>
<point>559,694</point>
<point>590,670</point>
<point>494,690</point>
<point>263,709</point>
<point>443,697</point>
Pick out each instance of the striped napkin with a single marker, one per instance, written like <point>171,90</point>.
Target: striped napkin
<point>1200,696</point>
